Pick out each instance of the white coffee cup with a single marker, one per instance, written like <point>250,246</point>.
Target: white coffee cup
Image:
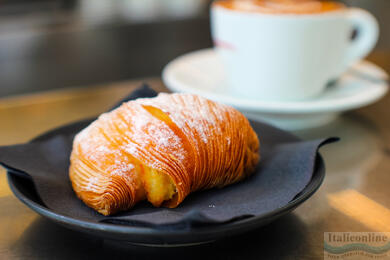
<point>289,57</point>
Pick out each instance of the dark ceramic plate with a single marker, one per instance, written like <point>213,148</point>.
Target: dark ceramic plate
<point>24,190</point>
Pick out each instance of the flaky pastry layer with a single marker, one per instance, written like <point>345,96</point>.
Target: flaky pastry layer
<point>160,149</point>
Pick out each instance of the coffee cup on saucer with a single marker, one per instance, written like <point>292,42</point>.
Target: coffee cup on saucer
<point>288,50</point>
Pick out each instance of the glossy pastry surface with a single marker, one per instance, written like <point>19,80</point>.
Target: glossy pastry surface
<point>160,149</point>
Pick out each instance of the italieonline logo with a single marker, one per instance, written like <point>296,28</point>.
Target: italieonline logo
<point>357,245</point>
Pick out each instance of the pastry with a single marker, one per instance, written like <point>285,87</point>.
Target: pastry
<point>160,149</point>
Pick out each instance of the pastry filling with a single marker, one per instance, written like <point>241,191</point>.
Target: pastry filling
<point>158,186</point>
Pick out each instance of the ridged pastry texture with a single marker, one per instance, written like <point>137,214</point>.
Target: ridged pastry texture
<point>160,149</point>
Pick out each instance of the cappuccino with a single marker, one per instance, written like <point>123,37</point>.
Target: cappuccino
<point>281,6</point>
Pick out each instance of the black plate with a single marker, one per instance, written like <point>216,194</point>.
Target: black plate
<point>25,192</point>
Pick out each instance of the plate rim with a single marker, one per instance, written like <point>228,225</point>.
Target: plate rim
<point>301,107</point>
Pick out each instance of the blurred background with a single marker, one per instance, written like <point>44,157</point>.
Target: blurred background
<point>53,44</point>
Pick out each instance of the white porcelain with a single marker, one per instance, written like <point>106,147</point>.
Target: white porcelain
<point>202,72</point>
<point>289,56</point>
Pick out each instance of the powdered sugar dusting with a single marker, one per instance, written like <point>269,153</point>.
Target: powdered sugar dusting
<point>93,184</point>
<point>147,133</point>
<point>132,131</point>
<point>190,110</point>
<point>228,140</point>
<point>121,168</point>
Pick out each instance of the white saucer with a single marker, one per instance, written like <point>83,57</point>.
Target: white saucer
<point>201,72</point>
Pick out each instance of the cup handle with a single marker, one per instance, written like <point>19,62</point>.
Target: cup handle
<point>367,34</point>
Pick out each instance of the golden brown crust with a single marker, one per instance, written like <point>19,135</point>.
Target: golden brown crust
<point>194,142</point>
